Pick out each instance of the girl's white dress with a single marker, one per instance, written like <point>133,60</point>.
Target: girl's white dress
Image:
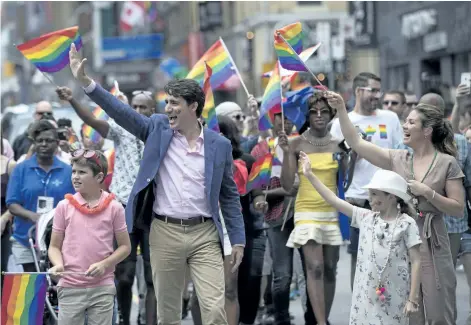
<point>366,308</point>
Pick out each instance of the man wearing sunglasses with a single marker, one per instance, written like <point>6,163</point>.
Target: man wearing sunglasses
<point>395,101</point>
<point>128,155</point>
<point>185,178</point>
<point>22,143</point>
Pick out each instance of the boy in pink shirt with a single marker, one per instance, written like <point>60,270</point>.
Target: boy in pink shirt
<point>84,228</point>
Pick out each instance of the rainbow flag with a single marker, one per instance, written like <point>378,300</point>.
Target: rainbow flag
<point>160,98</point>
<point>288,52</point>
<point>219,59</point>
<point>110,157</point>
<point>90,132</point>
<point>23,299</point>
<point>383,134</point>
<point>50,52</point>
<point>151,8</point>
<point>271,100</point>
<point>209,109</point>
<point>261,172</point>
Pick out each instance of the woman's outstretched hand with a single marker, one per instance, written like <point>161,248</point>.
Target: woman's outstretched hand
<point>305,163</point>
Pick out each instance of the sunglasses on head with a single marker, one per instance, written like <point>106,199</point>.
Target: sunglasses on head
<point>144,92</point>
<point>87,154</point>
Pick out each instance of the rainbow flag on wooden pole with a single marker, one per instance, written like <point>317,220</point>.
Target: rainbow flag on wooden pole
<point>50,52</point>
<point>271,100</point>
<point>261,173</point>
<point>222,64</point>
<point>288,46</point>
<point>209,109</point>
<point>23,299</point>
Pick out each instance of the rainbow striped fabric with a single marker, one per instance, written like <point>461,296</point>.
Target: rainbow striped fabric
<point>90,132</point>
<point>288,52</point>
<point>271,100</point>
<point>23,299</point>
<point>209,109</point>
<point>261,173</point>
<point>219,59</point>
<point>50,52</point>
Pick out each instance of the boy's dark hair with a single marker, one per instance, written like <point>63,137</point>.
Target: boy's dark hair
<point>361,80</point>
<point>64,123</point>
<point>41,126</point>
<point>189,90</point>
<point>399,93</point>
<point>92,163</point>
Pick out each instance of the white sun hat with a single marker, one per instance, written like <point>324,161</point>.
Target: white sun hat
<point>389,182</point>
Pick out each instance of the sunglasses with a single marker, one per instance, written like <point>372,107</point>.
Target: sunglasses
<point>412,104</point>
<point>144,92</point>
<point>44,113</point>
<point>239,117</point>
<point>390,102</point>
<point>87,154</point>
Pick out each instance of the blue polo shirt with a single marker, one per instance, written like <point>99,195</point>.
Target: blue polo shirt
<point>29,181</point>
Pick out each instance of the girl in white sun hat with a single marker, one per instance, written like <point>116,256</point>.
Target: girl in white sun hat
<point>387,275</point>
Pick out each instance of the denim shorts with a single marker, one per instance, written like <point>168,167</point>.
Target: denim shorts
<point>465,247</point>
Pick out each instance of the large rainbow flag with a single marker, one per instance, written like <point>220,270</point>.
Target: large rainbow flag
<point>209,109</point>
<point>50,52</point>
<point>288,52</point>
<point>261,172</point>
<point>219,60</point>
<point>271,100</point>
<point>23,299</point>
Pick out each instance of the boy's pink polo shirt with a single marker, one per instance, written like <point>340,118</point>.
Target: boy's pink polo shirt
<point>88,239</point>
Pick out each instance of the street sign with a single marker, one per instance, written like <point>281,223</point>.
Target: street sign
<point>132,48</point>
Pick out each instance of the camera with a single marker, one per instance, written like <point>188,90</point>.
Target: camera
<point>62,133</point>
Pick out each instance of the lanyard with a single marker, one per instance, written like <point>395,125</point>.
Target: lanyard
<point>44,180</point>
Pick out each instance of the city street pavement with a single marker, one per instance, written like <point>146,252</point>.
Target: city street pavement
<point>341,308</point>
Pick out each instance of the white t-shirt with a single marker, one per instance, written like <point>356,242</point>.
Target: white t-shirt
<point>383,129</point>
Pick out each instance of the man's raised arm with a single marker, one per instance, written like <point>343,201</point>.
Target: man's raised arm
<point>135,123</point>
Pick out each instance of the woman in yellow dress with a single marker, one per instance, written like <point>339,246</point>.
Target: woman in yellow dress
<point>317,230</point>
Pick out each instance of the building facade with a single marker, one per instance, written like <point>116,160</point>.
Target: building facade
<point>423,45</point>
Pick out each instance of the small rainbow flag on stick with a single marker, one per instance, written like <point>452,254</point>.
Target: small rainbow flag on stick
<point>90,132</point>
<point>50,52</point>
<point>209,110</point>
<point>271,100</point>
<point>288,46</point>
<point>219,59</point>
<point>23,299</point>
<point>261,172</point>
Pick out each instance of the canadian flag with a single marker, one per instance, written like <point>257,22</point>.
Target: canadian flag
<point>132,14</point>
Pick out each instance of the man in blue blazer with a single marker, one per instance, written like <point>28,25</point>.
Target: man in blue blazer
<point>185,177</point>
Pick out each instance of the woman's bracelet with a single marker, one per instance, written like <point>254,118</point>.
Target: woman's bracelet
<point>416,304</point>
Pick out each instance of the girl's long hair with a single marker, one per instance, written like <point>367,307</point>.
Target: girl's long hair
<point>443,137</point>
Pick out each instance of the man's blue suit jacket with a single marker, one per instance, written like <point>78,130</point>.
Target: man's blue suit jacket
<point>156,133</point>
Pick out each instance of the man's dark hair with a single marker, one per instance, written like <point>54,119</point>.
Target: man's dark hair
<point>229,129</point>
<point>397,92</point>
<point>64,123</point>
<point>361,80</point>
<point>189,90</point>
<point>40,126</point>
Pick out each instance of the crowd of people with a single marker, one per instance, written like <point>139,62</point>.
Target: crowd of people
<point>172,207</point>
